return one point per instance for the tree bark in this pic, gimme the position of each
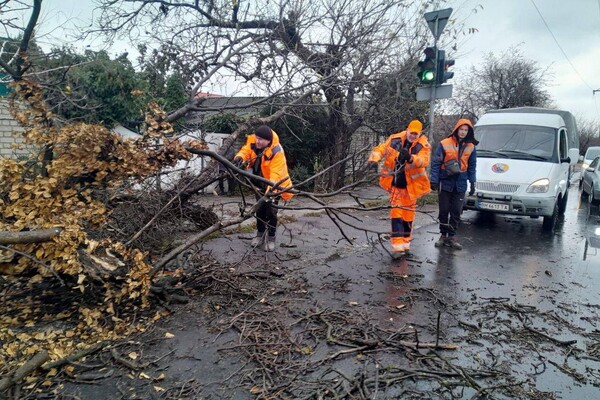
(43, 235)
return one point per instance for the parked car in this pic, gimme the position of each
(591, 153)
(590, 182)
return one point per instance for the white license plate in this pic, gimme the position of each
(494, 206)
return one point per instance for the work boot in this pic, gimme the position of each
(258, 240)
(270, 243)
(441, 241)
(397, 255)
(453, 243)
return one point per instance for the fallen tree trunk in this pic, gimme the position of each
(42, 235)
(34, 363)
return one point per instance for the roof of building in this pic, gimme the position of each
(207, 95)
(242, 105)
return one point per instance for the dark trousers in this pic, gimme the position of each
(451, 204)
(266, 218)
(230, 184)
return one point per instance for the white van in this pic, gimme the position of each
(524, 160)
(591, 153)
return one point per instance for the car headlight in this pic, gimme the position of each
(584, 166)
(539, 186)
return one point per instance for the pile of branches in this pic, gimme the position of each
(152, 223)
(55, 225)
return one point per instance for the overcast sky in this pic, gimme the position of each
(573, 54)
(569, 44)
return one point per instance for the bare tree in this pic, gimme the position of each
(505, 81)
(335, 47)
(17, 66)
(589, 134)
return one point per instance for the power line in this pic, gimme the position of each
(558, 44)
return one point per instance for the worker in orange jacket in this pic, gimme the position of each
(263, 154)
(403, 175)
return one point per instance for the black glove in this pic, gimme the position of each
(404, 155)
(372, 165)
(435, 186)
(472, 189)
(238, 162)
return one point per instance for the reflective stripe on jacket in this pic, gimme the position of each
(451, 152)
(468, 160)
(416, 174)
(273, 165)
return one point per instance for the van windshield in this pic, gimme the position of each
(517, 141)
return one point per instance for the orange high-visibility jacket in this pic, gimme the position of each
(416, 174)
(451, 147)
(273, 165)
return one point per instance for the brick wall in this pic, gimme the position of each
(8, 126)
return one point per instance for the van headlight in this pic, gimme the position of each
(584, 166)
(539, 186)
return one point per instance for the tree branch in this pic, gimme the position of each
(43, 235)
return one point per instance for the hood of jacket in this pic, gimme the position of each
(470, 138)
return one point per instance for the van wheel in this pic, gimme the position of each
(562, 206)
(550, 222)
(584, 195)
(593, 201)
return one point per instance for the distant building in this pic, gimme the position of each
(170, 176)
(11, 140)
(213, 104)
(206, 95)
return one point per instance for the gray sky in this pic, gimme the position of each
(569, 45)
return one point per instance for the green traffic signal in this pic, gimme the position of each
(427, 67)
(427, 76)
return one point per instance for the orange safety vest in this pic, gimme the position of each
(451, 152)
(417, 181)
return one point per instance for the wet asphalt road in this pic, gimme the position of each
(508, 256)
(553, 276)
(510, 276)
(516, 299)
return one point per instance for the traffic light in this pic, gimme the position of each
(442, 68)
(427, 67)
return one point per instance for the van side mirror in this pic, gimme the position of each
(573, 154)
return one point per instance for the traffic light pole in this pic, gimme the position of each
(433, 88)
(437, 21)
(431, 115)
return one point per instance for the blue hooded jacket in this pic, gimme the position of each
(455, 182)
